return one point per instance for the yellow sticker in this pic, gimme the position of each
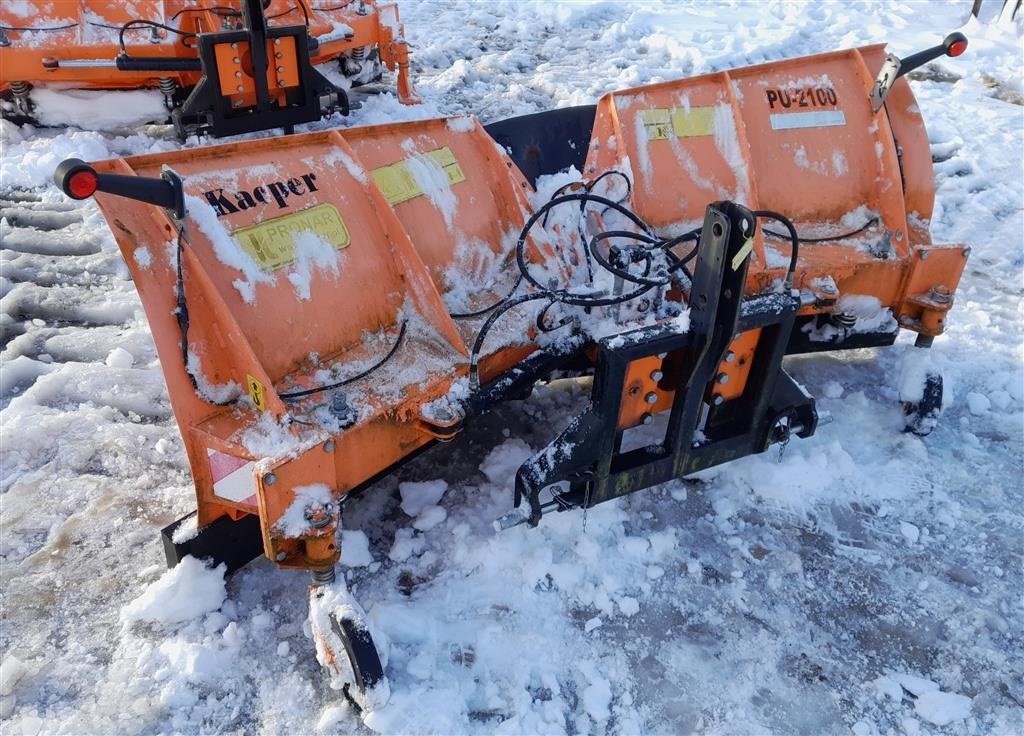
(271, 243)
(679, 122)
(398, 183)
(742, 253)
(657, 123)
(696, 121)
(255, 388)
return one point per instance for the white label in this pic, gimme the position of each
(232, 477)
(817, 119)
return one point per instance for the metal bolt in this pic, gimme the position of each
(940, 294)
(278, 55)
(662, 356)
(277, 41)
(319, 515)
(329, 446)
(657, 375)
(719, 400)
(722, 378)
(240, 88)
(238, 75)
(924, 255)
(280, 70)
(730, 357)
(828, 288)
(269, 479)
(647, 419)
(651, 398)
(237, 60)
(234, 45)
(967, 252)
(280, 556)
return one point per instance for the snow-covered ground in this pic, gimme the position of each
(867, 581)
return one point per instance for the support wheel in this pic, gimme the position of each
(345, 647)
(923, 415)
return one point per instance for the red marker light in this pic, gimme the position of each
(81, 184)
(957, 47)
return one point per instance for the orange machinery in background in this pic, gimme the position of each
(325, 305)
(224, 68)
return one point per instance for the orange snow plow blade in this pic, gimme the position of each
(796, 137)
(359, 266)
(178, 47)
(299, 266)
(326, 305)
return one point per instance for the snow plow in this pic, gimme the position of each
(222, 69)
(327, 305)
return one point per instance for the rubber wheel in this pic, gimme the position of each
(362, 655)
(922, 416)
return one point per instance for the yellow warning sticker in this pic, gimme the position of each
(255, 388)
(696, 121)
(679, 122)
(398, 183)
(742, 253)
(271, 243)
(657, 123)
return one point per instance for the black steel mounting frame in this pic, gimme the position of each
(701, 431)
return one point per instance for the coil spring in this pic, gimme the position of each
(323, 576)
(358, 54)
(844, 320)
(168, 86)
(20, 90)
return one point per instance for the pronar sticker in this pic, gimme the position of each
(399, 184)
(678, 122)
(271, 243)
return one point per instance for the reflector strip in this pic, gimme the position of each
(818, 119)
(398, 183)
(232, 477)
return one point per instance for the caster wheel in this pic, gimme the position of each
(922, 415)
(345, 647)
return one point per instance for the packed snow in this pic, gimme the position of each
(863, 581)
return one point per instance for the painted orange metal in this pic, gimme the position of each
(89, 30)
(423, 202)
(797, 137)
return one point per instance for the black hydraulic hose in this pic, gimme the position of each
(45, 28)
(579, 197)
(830, 238)
(153, 24)
(485, 310)
(793, 239)
(292, 395)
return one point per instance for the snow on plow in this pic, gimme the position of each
(326, 305)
